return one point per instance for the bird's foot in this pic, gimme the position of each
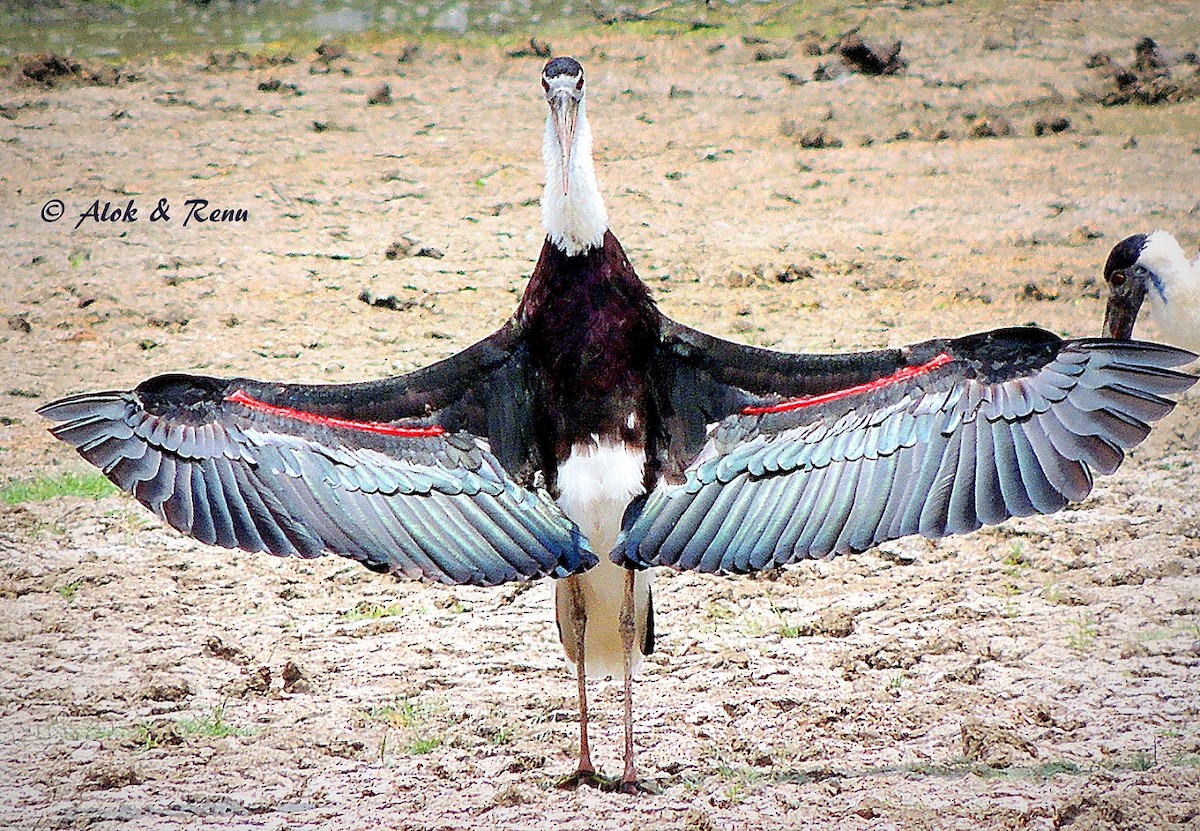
(585, 776)
(630, 785)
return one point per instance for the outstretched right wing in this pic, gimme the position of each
(941, 438)
(303, 470)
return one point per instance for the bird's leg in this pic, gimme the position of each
(628, 783)
(586, 772)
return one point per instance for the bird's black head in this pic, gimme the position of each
(1126, 287)
(563, 74)
(563, 66)
(1124, 254)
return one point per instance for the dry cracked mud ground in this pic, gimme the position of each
(1043, 674)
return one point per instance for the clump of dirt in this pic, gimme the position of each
(240, 60)
(166, 691)
(104, 776)
(880, 58)
(534, 49)
(833, 623)
(995, 745)
(989, 126)
(382, 96)
(49, 69)
(1148, 80)
(296, 679)
(330, 51)
(1051, 125)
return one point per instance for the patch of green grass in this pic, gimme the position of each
(404, 713)
(963, 766)
(503, 736)
(1141, 760)
(89, 485)
(410, 717)
(1008, 589)
(372, 611)
(1055, 595)
(424, 745)
(716, 611)
(211, 726)
(1190, 760)
(67, 591)
(139, 733)
(742, 781)
(1016, 559)
(1045, 770)
(1083, 635)
(1150, 635)
(786, 629)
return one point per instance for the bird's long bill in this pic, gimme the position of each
(564, 109)
(1124, 303)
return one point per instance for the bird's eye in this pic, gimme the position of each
(580, 84)
(1117, 278)
(545, 85)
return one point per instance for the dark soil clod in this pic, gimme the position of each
(1148, 80)
(381, 96)
(534, 49)
(871, 59)
(48, 69)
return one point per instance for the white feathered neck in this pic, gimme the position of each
(1174, 290)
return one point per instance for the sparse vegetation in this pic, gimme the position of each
(1083, 633)
(1045, 770)
(1190, 760)
(410, 719)
(67, 591)
(140, 735)
(86, 485)
(211, 725)
(717, 611)
(425, 745)
(786, 629)
(403, 713)
(367, 610)
(1016, 561)
(1141, 760)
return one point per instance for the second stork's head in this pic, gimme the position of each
(572, 208)
(1153, 266)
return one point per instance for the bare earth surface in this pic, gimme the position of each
(1043, 674)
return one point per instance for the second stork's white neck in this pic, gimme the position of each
(1174, 290)
(574, 221)
(1173, 277)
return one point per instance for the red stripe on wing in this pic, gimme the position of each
(240, 397)
(896, 377)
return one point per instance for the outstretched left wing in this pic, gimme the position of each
(382, 472)
(938, 438)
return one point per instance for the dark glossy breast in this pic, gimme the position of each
(592, 329)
